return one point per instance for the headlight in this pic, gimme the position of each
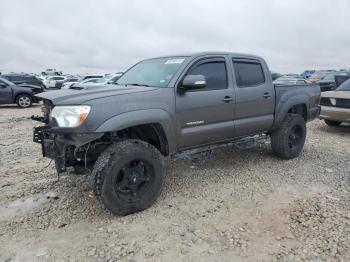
(70, 116)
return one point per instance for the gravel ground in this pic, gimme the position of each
(237, 205)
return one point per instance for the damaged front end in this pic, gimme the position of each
(63, 145)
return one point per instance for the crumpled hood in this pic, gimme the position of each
(76, 97)
(337, 94)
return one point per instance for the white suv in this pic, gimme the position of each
(50, 82)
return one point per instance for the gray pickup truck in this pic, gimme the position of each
(164, 106)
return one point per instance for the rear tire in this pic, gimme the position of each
(332, 123)
(287, 142)
(128, 176)
(24, 101)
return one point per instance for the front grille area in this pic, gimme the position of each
(340, 102)
(345, 103)
(325, 102)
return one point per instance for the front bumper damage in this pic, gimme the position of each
(60, 145)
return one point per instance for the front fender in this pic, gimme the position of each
(142, 117)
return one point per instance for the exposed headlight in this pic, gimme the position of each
(70, 116)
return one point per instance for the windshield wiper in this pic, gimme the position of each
(136, 84)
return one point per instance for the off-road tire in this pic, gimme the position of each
(280, 138)
(24, 101)
(332, 123)
(111, 161)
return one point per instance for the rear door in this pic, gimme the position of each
(255, 96)
(205, 115)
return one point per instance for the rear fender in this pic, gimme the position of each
(285, 103)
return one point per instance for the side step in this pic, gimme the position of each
(206, 151)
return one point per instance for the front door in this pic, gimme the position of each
(206, 115)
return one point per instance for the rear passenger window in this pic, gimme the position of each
(248, 73)
(214, 72)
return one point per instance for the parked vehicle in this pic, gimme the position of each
(97, 82)
(274, 75)
(23, 79)
(317, 76)
(307, 73)
(51, 72)
(51, 81)
(22, 94)
(68, 85)
(164, 106)
(67, 82)
(327, 83)
(290, 81)
(335, 105)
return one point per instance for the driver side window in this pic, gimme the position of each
(214, 72)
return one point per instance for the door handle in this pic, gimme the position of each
(266, 95)
(227, 99)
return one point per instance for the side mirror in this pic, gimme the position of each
(3, 85)
(194, 82)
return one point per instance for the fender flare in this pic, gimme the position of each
(286, 103)
(142, 117)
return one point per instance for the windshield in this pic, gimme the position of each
(154, 72)
(7, 81)
(344, 86)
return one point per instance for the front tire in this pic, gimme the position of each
(128, 176)
(332, 123)
(24, 101)
(288, 141)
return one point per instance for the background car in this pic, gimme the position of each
(23, 94)
(290, 81)
(66, 83)
(335, 105)
(317, 76)
(275, 75)
(51, 72)
(107, 80)
(327, 83)
(23, 79)
(69, 84)
(50, 82)
(307, 73)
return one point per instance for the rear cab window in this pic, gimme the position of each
(248, 72)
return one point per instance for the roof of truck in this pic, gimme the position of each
(196, 54)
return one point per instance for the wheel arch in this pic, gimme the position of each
(23, 93)
(296, 105)
(152, 125)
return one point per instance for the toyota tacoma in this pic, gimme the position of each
(165, 106)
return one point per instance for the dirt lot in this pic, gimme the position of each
(237, 205)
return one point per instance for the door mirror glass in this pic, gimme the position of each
(194, 82)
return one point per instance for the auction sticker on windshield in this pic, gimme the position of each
(175, 61)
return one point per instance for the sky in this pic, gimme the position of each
(107, 36)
